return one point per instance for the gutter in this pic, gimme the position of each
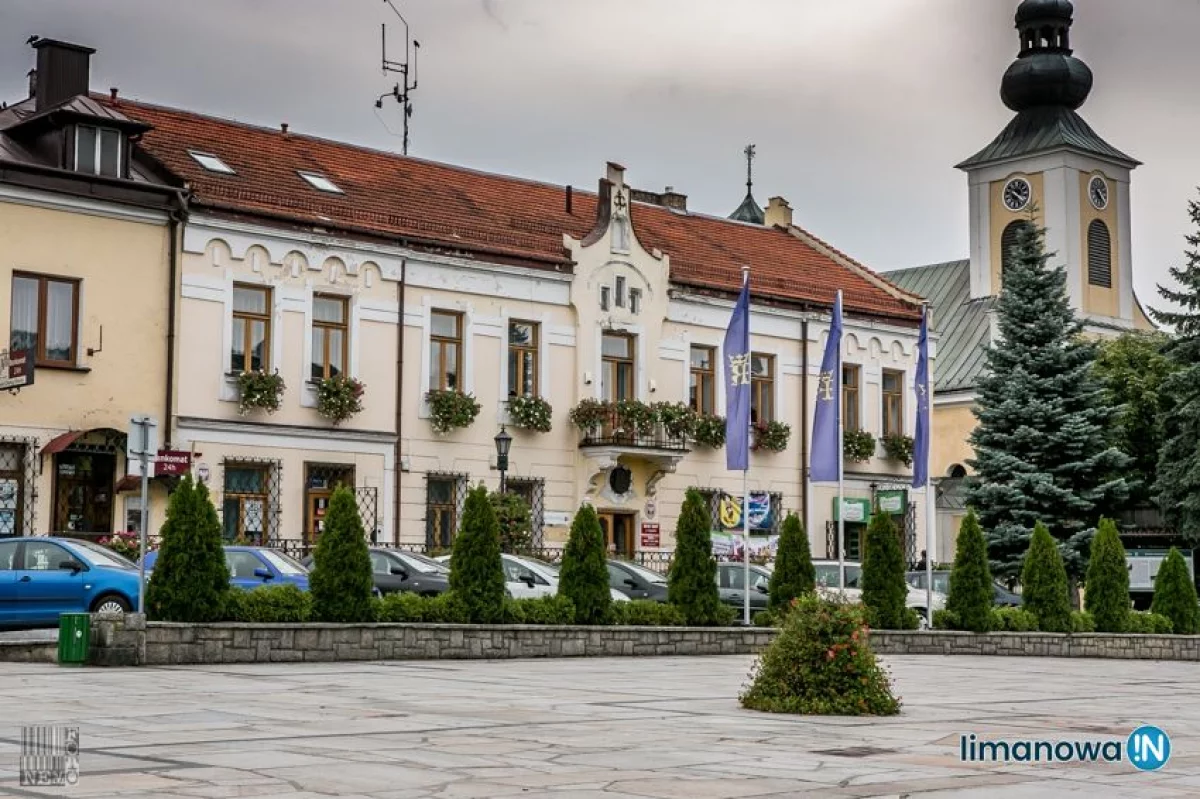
(172, 278)
(399, 470)
(804, 498)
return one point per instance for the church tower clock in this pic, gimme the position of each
(1049, 166)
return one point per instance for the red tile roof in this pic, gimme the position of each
(486, 214)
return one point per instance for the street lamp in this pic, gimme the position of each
(503, 442)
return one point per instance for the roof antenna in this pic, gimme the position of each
(751, 151)
(401, 91)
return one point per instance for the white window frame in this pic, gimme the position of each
(98, 148)
(215, 164)
(319, 182)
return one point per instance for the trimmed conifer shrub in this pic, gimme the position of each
(191, 580)
(884, 590)
(1175, 595)
(794, 574)
(971, 592)
(1107, 587)
(692, 578)
(341, 581)
(584, 575)
(1044, 583)
(476, 571)
(821, 663)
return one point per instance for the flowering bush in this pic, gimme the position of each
(259, 391)
(530, 413)
(710, 431)
(858, 445)
(772, 436)
(589, 414)
(899, 448)
(124, 544)
(450, 410)
(339, 397)
(678, 419)
(635, 416)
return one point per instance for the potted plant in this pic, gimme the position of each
(259, 390)
(636, 417)
(450, 410)
(530, 413)
(858, 445)
(710, 431)
(899, 448)
(339, 397)
(590, 414)
(772, 436)
(677, 419)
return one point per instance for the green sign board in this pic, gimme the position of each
(893, 502)
(858, 511)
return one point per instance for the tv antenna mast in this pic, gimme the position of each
(401, 92)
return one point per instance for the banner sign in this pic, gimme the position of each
(730, 512)
(172, 463)
(728, 546)
(858, 511)
(894, 502)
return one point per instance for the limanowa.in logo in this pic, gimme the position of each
(1148, 748)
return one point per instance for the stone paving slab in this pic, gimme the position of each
(650, 728)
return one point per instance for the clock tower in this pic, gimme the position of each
(1049, 166)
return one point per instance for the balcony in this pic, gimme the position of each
(626, 425)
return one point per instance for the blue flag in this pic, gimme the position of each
(737, 384)
(921, 387)
(825, 456)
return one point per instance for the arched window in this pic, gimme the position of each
(1099, 255)
(957, 472)
(1008, 244)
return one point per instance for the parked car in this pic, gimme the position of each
(526, 577)
(731, 582)
(251, 567)
(637, 582)
(395, 570)
(827, 584)
(42, 577)
(1001, 596)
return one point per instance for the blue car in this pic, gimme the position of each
(42, 577)
(252, 567)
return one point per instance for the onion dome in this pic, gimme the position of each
(1045, 73)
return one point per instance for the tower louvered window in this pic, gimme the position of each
(1008, 244)
(1099, 259)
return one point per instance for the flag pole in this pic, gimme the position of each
(841, 515)
(930, 499)
(746, 490)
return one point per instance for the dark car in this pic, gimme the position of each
(637, 582)
(731, 581)
(395, 570)
(1002, 597)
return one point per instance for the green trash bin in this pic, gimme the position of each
(74, 638)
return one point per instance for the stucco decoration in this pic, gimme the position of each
(664, 468)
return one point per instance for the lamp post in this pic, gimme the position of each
(503, 442)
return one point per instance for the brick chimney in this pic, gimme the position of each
(778, 212)
(673, 199)
(63, 71)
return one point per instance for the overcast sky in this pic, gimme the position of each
(859, 109)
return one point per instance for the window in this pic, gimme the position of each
(620, 292)
(8, 555)
(617, 372)
(12, 489)
(1008, 244)
(244, 511)
(320, 480)
(330, 336)
(211, 163)
(45, 557)
(635, 301)
(762, 388)
(320, 182)
(851, 416)
(98, 151)
(522, 359)
(533, 491)
(605, 295)
(703, 383)
(1099, 256)
(251, 350)
(45, 318)
(441, 511)
(445, 350)
(893, 403)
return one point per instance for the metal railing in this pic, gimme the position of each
(616, 432)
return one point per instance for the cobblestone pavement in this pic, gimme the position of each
(596, 728)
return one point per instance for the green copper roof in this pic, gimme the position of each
(962, 323)
(749, 211)
(1043, 129)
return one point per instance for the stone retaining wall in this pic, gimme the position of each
(130, 641)
(28, 651)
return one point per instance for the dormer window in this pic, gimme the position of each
(211, 163)
(98, 151)
(320, 182)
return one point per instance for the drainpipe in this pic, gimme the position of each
(173, 227)
(399, 472)
(804, 498)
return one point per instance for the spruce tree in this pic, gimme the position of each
(1042, 452)
(692, 578)
(1044, 583)
(794, 574)
(584, 576)
(191, 579)
(476, 571)
(1107, 587)
(341, 581)
(884, 590)
(971, 592)
(1175, 595)
(1178, 486)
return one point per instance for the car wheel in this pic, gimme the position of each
(110, 603)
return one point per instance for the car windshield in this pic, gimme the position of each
(423, 564)
(827, 574)
(548, 570)
(282, 563)
(103, 556)
(649, 575)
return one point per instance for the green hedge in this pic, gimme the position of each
(1013, 620)
(270, 604)
(1149, 624)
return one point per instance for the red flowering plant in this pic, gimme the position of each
(821, 663)
(124, 544)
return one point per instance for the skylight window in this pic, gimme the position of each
(320, 182)
(212, 163)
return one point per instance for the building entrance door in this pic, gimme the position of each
(83, 492)
(618, 532)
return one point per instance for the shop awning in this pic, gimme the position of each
(64, 441)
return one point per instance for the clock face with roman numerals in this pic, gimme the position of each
(1098, 193)
(1017, 194)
